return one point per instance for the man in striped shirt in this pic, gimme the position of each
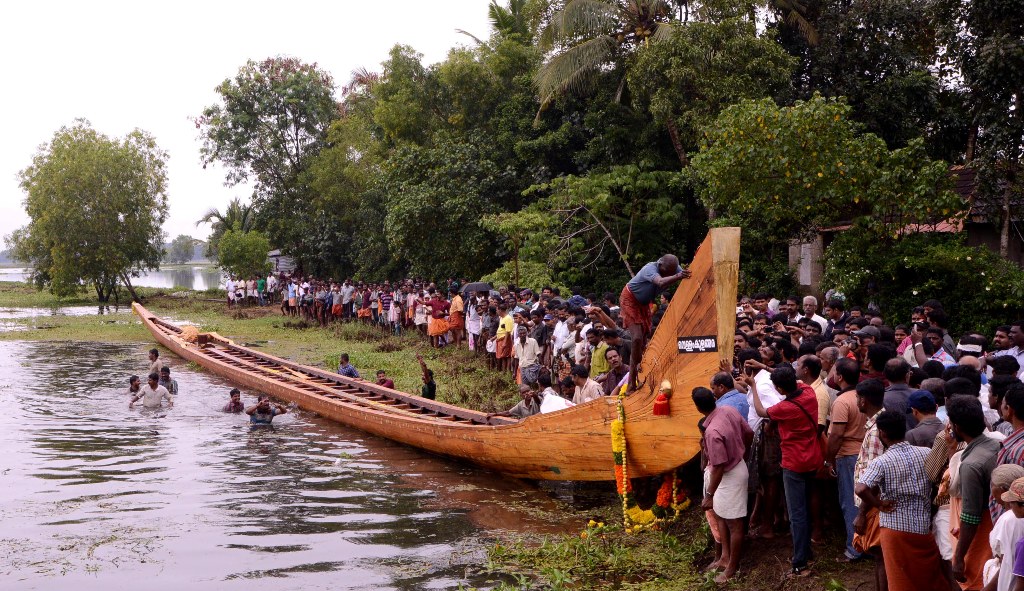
(1011, 451)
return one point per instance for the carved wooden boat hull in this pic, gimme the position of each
(572, 444)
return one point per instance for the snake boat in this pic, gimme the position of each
(694, 335)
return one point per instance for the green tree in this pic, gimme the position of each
(513, 22)
(782, 173)
(244, 254)
(339, 178)
(96, 205)
(983, 52)
(595, 228)
(435, 197)
(685, 80)
(181, 249)
(236, 213)
(272, 119)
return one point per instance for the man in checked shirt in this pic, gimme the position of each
(895, 483)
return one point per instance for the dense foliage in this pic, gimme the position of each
(244, 254)
(581, 139)
(96, 206)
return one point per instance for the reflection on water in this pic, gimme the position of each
(198, 278)
(94, 495)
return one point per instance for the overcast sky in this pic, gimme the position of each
(123, 65)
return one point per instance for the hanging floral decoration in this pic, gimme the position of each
(670, 499)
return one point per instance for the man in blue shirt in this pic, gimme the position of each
(636, 299)
(723, 387)
(345, 368)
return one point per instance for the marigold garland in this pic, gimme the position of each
(670, 499)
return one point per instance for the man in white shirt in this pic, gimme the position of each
(527, 352)
(765, 388)
(586, 388)
(153, 394)
(346, 299)
(230, 288)
(581, 348)
(811, 311)
(561, 331)
(1017, 339)
(271, 288)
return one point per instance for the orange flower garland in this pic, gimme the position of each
(669, 502)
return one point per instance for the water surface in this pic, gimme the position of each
(195, 277)
(97, 496)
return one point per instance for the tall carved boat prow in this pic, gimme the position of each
(695, 333)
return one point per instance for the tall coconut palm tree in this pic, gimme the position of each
(236, 214)
(589, 35)
(513, 22)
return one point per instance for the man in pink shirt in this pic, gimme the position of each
(727, 436)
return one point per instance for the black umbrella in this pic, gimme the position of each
(477, 286)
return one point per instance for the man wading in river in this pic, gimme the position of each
(134, 385)
(635, 303)
(264, 411)
(167, 382)
(155, 365)
(153, 394)
(235, 403)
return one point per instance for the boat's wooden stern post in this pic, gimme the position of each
(695, 335)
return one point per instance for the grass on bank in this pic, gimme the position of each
(672, 559)
(603, 556)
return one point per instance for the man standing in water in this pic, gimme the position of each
(264, 411)
(155, 365)
(345, 368)
(134, 385)
(384, 380)
(153, 394)
(635, 303)
(235, 404)
(167, 382)
(429, 390)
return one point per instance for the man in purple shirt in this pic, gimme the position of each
(727, 436)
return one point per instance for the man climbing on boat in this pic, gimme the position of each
(636, 299)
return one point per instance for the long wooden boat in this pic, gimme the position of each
(695, 333)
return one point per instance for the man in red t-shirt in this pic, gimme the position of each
(797, 419)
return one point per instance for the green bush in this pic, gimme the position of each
(978, 289)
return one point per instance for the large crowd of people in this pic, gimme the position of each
(908, 440)
(581, 346)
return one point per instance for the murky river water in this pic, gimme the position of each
(94, 495)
